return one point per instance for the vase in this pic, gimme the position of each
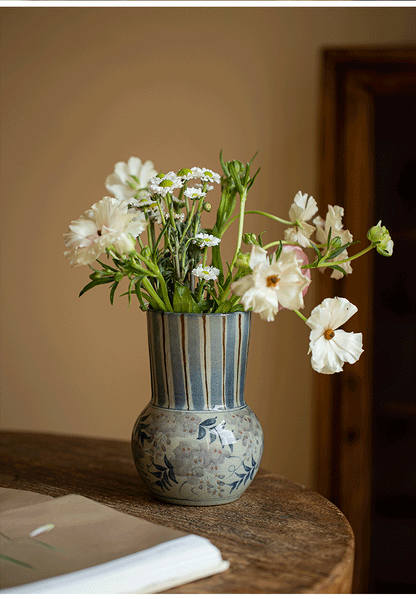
(197, 442)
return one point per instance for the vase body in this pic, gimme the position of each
(197, 442)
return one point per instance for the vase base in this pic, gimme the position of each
(196, 502)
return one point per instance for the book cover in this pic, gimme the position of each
(76, 545)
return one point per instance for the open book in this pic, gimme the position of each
(75, 545)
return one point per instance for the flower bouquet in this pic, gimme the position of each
(197, 442)
(152, 231)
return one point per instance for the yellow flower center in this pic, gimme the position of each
(272, 281)
(329, 333)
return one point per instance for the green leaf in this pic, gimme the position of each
(339, 251)
(279, 250)
(337, 267)
(252, 180)
(228, 306)
(94, 284)
(224, 166)
(112, 291)
(183, 300)
(106, 266)
(317, 250)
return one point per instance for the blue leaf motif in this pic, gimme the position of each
(201, 432)
(209, 422)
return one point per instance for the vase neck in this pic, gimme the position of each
(198, 361)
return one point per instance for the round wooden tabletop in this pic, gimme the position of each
(279, 537)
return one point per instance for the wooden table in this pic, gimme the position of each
(279, 537)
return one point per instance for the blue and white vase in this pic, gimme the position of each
(197, 442)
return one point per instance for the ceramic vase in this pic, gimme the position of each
(197, 442)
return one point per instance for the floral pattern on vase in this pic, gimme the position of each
(198, 456)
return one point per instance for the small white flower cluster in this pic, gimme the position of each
(164, 184)
(209, 273)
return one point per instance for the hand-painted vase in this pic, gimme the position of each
(197, 442)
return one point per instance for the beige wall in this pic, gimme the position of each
(83, 88)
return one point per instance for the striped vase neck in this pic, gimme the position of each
(198, 361)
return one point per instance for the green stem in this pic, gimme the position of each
(149, 288)
(358, 255)
(269, 245)
(243, 199)
(280, 220)
(272, 216)
(300, 315)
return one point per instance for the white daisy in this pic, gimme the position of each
(165, 184)
(209, 175)
(209, 273)
(194, 193)
(205, 240)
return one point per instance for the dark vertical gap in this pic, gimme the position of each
(393, 509)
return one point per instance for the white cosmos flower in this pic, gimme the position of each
(205, 240)
(302, 210)
(122, 184)
(209, 273)
(331, 347)
(271, 286)
(333, 221)
(108, 222)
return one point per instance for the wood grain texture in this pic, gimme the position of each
(279, 537)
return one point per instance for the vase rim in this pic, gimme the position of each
(199, 313)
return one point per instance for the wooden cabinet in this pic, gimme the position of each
(366, 416)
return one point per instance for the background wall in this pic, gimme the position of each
(83, 88)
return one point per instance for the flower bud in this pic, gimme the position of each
(381, 240)
(207, 207)
(243, 260)
(250, 239)
(336, 243)
(96, 276)
(239, 167)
